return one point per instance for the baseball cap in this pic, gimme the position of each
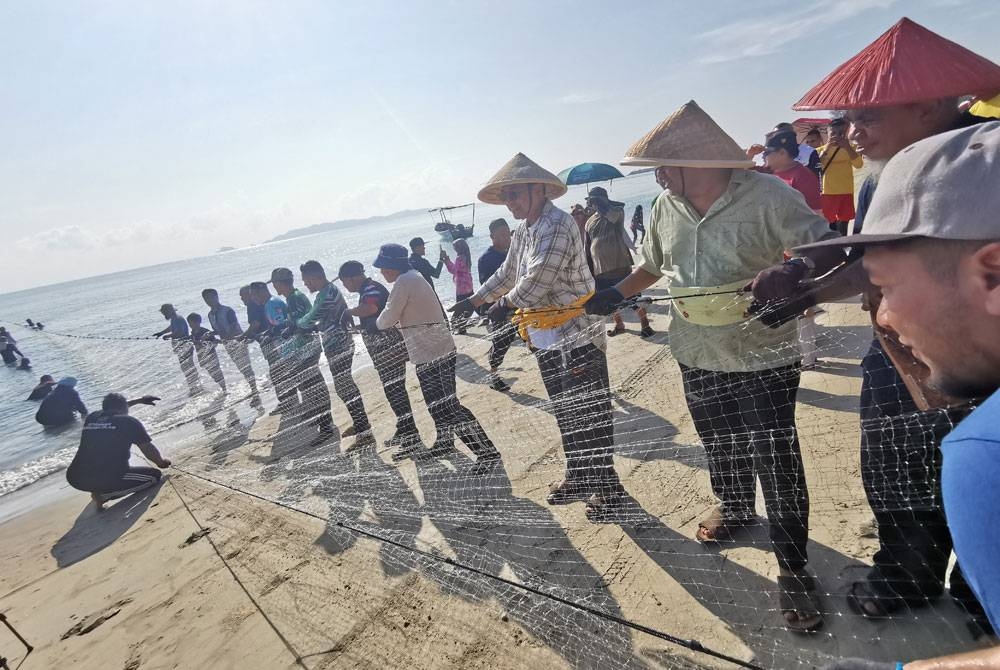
(942, 187)
(351, 269)
(282, 275)
(781, 140)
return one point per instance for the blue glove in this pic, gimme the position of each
(500, 312)
(605, 302)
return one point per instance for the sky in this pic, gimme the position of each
(138, 133)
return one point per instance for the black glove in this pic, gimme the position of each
(605, 302)
(780, 312)
(779, 282)
(463, 306)
(146, 400)
(859, 664)
(500, 313)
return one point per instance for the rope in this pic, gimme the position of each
(690, 644)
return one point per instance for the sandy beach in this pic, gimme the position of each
(197, 575)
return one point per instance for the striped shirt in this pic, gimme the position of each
(546, 266)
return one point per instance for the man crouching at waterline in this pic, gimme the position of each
(101, 465)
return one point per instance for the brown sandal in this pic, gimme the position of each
(799, 603)
(567, 491)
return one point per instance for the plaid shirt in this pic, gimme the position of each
(547, 267)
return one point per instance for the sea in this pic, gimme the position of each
(99, 329)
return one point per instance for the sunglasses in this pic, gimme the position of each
(510, 194)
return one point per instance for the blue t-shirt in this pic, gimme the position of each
(276, 311)
(970, 479)
(179, 328)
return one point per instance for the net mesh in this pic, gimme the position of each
(371, 557)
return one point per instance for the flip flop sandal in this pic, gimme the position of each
(798, 596)
(865, 601)
(602, 508)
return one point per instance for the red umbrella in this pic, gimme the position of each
(908, 63)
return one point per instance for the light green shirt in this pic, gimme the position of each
(744, 231)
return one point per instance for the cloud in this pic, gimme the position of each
(581, 98)
(762, 37)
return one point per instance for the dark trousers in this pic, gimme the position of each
(451, 418)
(901, 472)
(339, 350)
(578, 388)
(390, 364)
(185, 356)
(273, 358)
(502, 336)
(294, 377)
(240, 356)
(746, 420)
(209, 360)
(134, 479)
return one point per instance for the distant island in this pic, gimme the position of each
(222, 250)
(325, 227)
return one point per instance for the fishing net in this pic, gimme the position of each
(365, 556)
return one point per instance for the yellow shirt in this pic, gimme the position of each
(838, 175)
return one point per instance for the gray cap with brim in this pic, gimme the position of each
(944, 187)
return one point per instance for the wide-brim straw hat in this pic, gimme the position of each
(687, 138)
(521, 170)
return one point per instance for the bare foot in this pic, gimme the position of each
(98, 501)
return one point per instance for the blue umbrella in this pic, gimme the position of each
(585, 173)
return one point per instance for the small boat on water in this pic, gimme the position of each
(449, 231)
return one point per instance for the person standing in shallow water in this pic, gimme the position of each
(180, 338)
(227, 328)
(413, 307)
(638, 226)
(61, 405)
(204, 347)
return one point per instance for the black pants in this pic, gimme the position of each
(901, 472)
(578, 387)
(185, 356)
(451, 418)
(502, 336)
(134, 479)
(295, 377)
(209, 360)
(746, 420)
(389, 358)
(240, 356)
(339, 350)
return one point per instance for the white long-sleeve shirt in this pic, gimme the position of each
(414, 307)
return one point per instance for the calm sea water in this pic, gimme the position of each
(125, 305)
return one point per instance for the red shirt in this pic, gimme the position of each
(802, 179)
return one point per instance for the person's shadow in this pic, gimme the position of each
(492, 531)
(93, 531)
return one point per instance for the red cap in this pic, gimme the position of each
(908, 63)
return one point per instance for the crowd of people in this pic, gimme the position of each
(924, 252)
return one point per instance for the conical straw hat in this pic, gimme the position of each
(907, 64)
(688, 138)
(521, 170)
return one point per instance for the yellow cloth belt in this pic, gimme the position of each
(546, 318)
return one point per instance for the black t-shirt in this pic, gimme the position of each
(489, 263)
(104, 450)
(41, 391)
(59, 406)
(373, 293)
